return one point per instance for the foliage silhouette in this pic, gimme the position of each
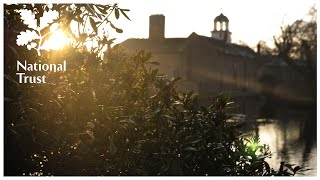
(117, 116)
(297, 46)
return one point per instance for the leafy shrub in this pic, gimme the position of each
(118, 116)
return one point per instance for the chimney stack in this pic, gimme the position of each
(156, 27)
(258, 48)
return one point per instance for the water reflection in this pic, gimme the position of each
(292, 141)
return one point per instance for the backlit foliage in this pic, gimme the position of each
(116, 115)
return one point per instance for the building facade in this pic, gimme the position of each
(211, 65)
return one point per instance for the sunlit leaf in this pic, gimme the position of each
(190, 149)
(154, 63)
(45, 38)
(128, 121)
(45, 30)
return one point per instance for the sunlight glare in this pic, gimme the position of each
(57, 41)
(266, 137)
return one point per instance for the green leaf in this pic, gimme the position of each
(116, 13)
(190, 149)
(194, 142)
(93, 25)
(168, 116)
(154, 63)
(157, 110)
(128, 121)
(112, 148)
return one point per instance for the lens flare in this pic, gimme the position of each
(57, 41)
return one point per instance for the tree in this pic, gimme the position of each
(290, 42)
(116, 116)
(297, 45)
(90, 22)
(299, 41)
(263, 49)
(18, 95)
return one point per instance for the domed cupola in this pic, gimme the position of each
(221, 18)
(221, 29)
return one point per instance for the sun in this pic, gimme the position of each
(57, 41)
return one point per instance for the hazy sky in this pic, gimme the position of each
(250, 20)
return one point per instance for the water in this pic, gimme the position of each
(291, 138)
(286, 144)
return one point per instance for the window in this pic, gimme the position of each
(218, 26)
(224, 27)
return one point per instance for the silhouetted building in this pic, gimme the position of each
(210, 65)
(221, 29)
(156, 28)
